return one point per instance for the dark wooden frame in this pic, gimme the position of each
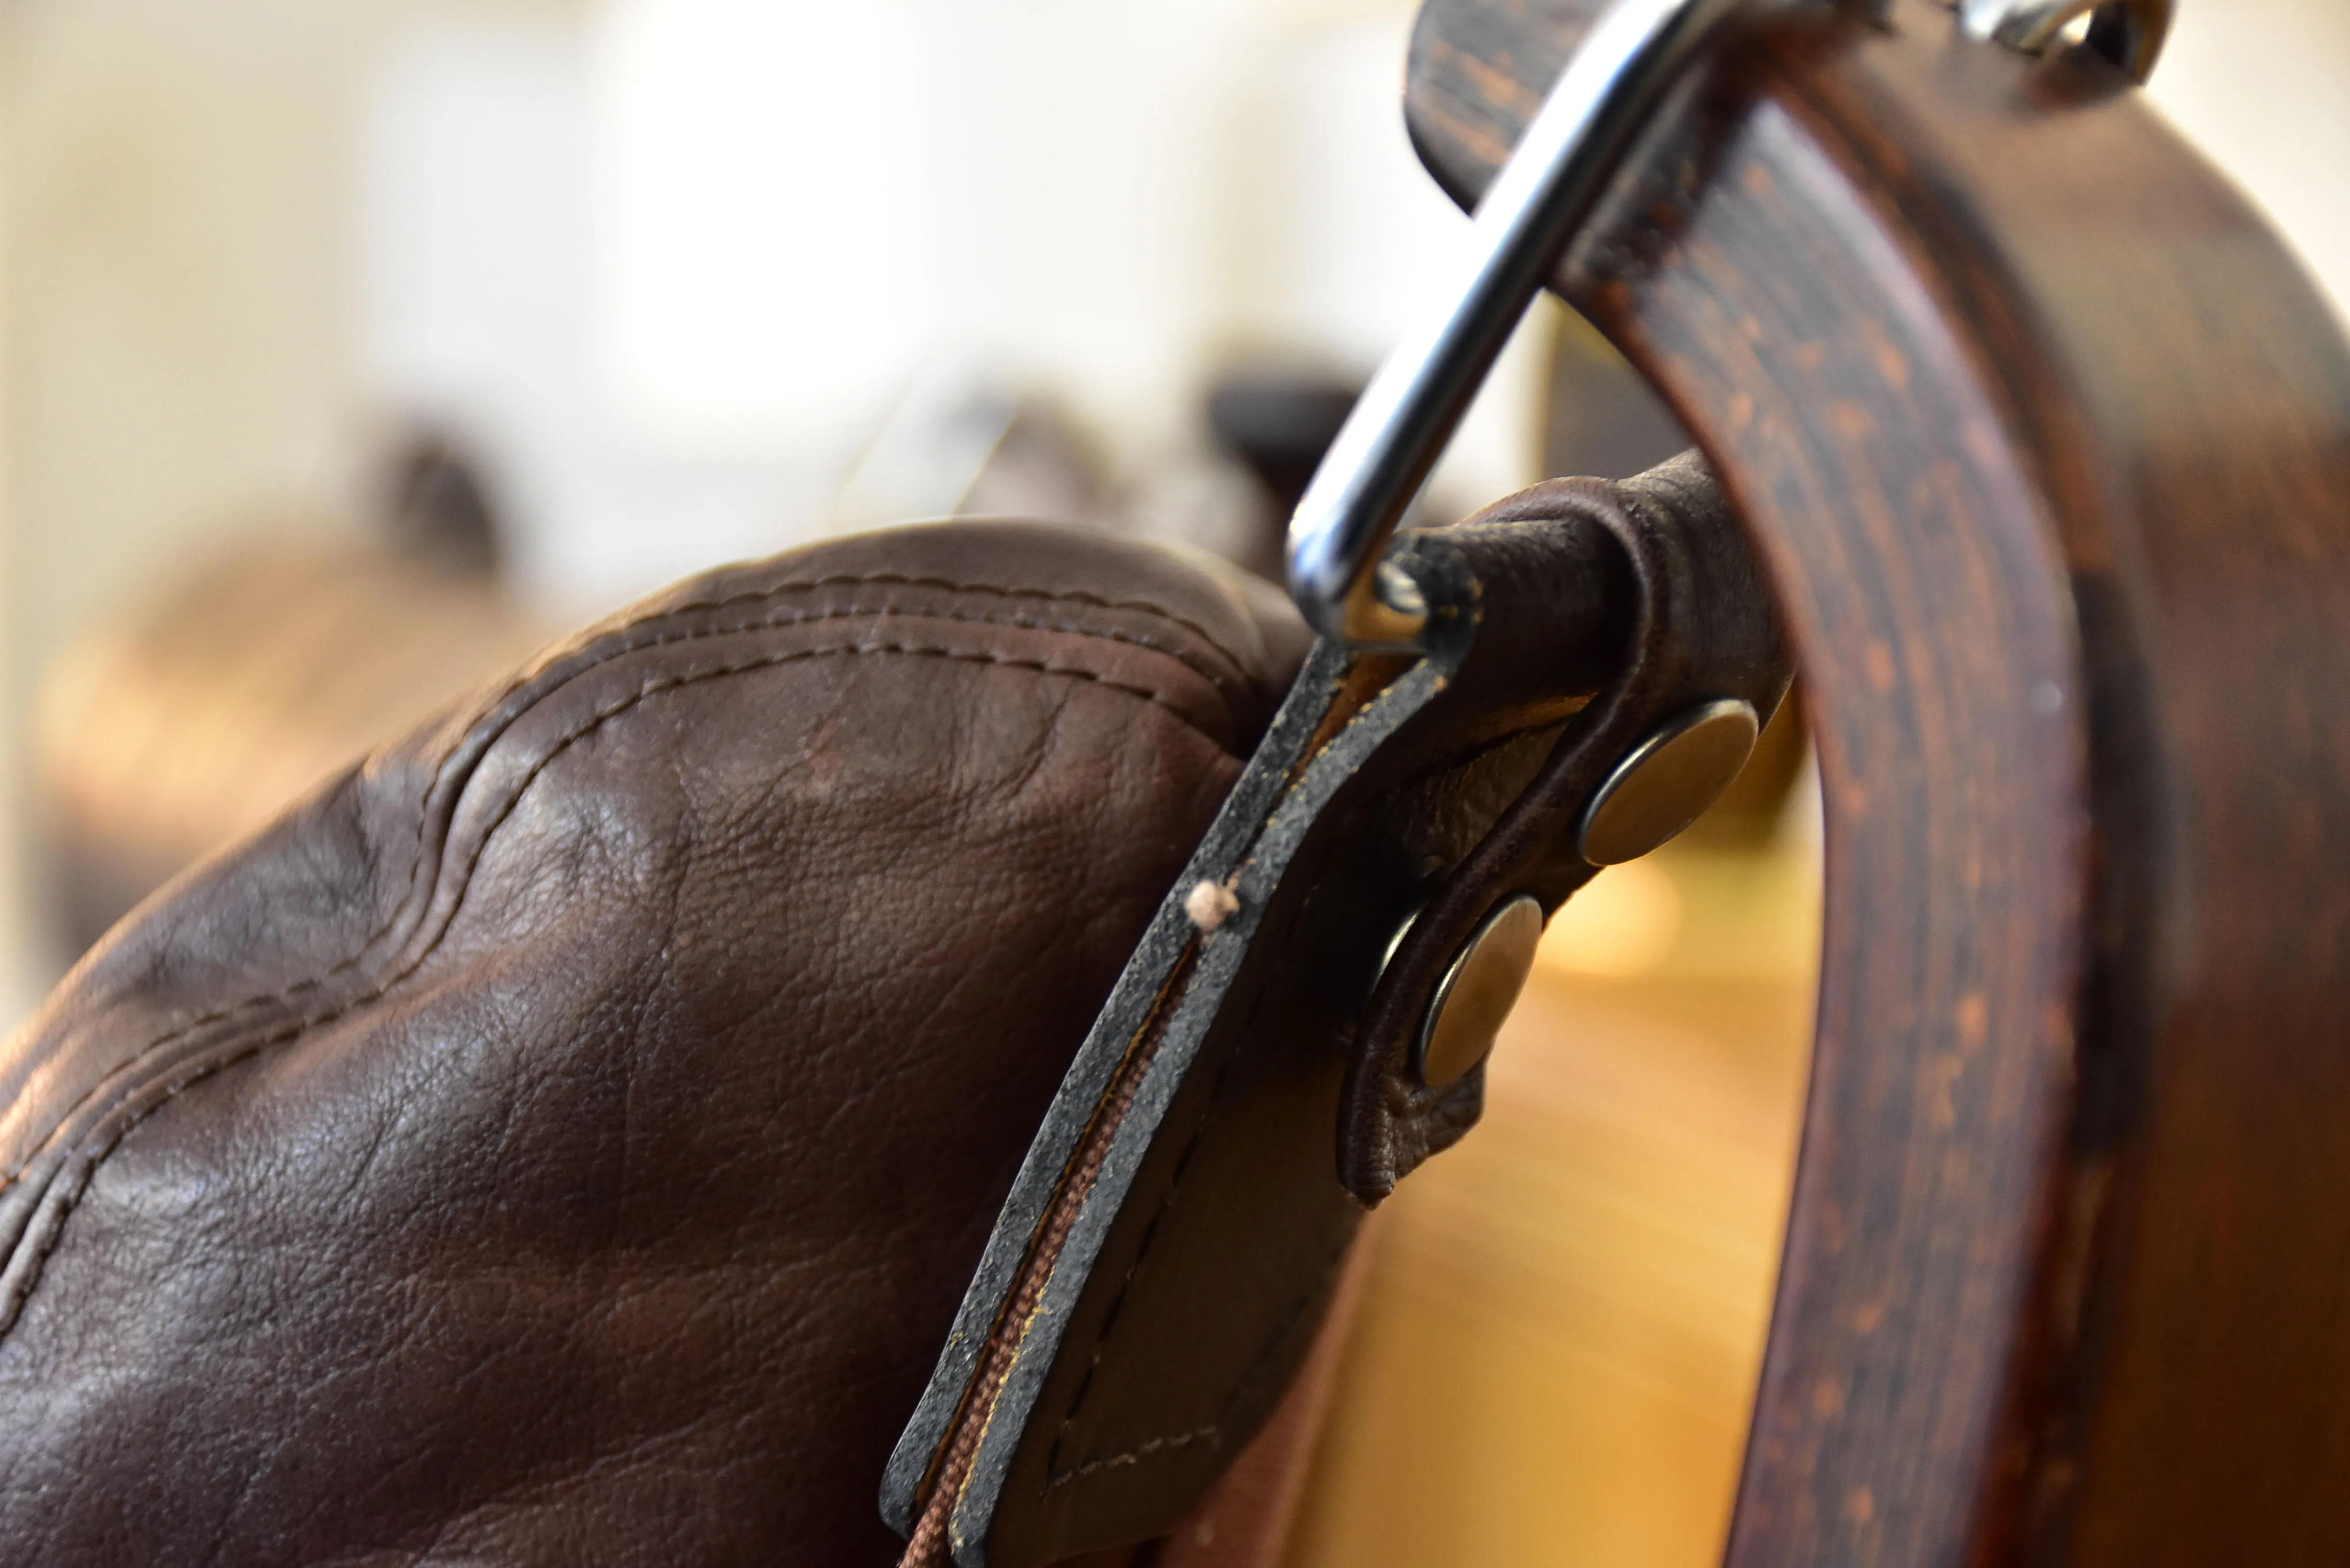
(2045, 440)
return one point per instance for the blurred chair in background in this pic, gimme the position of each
(189, 722)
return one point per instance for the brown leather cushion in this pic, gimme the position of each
(565, 1137)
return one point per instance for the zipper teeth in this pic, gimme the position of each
(931, 1545)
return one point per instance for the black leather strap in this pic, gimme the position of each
(1169, 1248)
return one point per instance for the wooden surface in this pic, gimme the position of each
(2046, 443)
(1556, 1356)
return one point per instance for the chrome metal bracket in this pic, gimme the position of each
(1542, 196)
(2130, 33)
(1541, 199)
(1404, 419)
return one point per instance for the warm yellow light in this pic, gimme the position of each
(1627, 921)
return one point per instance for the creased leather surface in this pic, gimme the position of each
(564, 1138)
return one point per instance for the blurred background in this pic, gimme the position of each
(349, 348)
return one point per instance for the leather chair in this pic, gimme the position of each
(565, 1136)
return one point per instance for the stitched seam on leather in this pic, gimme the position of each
(905, 579)
(1110, 1318)
(895, 579)
(1000, 1354)
(1213, 1430)
(1126, 1282)
(1102, 634)
(732, 628)
(54, 1229)
(1150, 1238)
(610, 644)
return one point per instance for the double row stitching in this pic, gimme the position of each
(869, 612)
(596, 720)
(992, 590)
(606, 653)
(903, 580)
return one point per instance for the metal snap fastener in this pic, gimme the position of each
(1477, 993)
(1667, 781)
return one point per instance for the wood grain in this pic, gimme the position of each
(1556, 1356)
(2046, 442)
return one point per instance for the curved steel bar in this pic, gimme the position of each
(2130, 33)
(1409, 412)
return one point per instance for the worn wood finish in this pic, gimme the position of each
(2046, 442)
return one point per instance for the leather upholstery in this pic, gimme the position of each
(1179, 1225)
(564, 1138)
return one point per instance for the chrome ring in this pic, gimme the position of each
(2130, 33)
